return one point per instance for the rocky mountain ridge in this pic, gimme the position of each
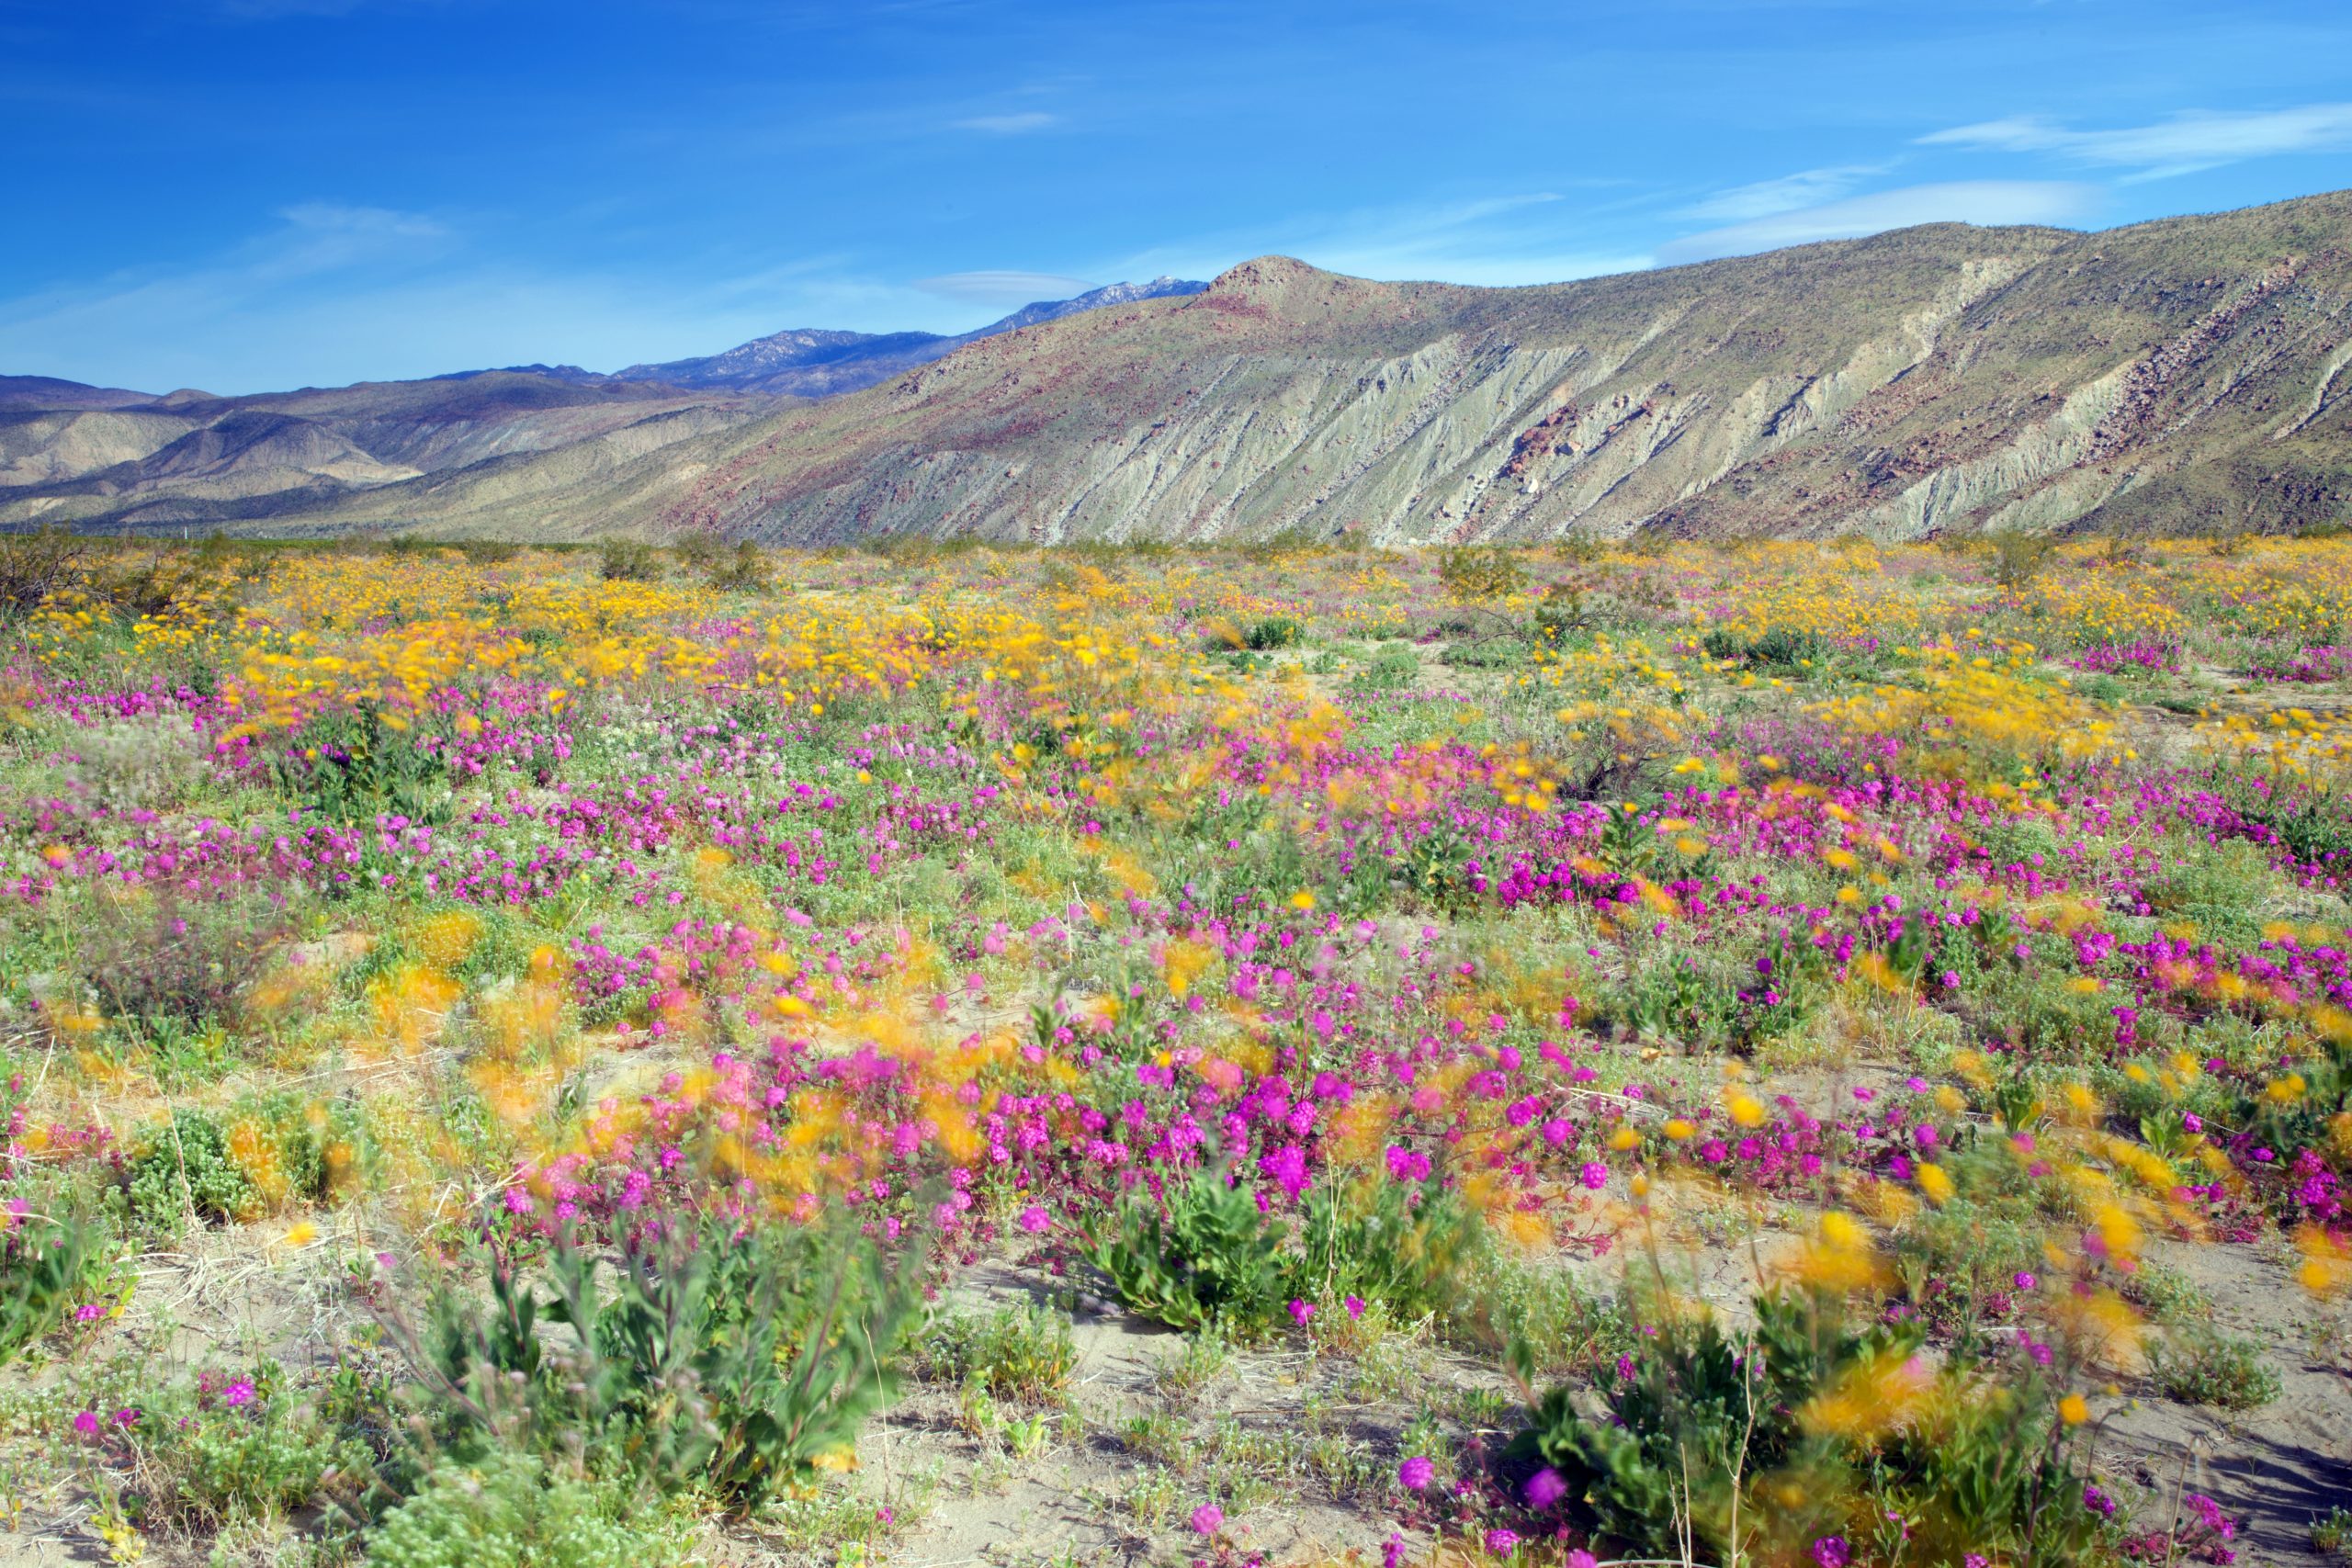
(2188, 373)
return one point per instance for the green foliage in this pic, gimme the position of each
(1540, 1317)
(1472, 574)
(351, 767)
(510, 1510)
(1212, 1257)
(2203, 1366)
(734, 1362)
(1021, 1352)
(1392, 669)
(2332, 1531)
(184, 1170)
(1776, 648)
(206, 1461)
(1752, 1439)
(1272, 632)
(1406, 1248)
(628, 560)
(44, 1264)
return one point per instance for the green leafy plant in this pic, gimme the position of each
(1272, 632)
(1745, 1445)
(354, 766)
(1209, 1257)
(734, 1362)
(512, 1510)
(628, 560)
(183, 1172)
(2203, 1366)
(2332, 1531)
(1406, 1248)
(1023, 1351)
(43, 1264)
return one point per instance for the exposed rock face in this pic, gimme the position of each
(2172, 374)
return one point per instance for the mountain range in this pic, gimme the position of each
(107, 457)
(2189, 373)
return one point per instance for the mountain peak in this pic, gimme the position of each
(1286, 284)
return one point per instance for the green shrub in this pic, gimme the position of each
(1776, 648)
(246, 1451)
(1023, 1353)
(1213, 1257)
(1407, 1248)
(1761, 1441)
(1274, 631)
(1392, 669)
(2332, 1531)
(1472, 574)
(731, 1362)
(2204, 1366)
(43, 1266)
(742, 571)
(628, 560)
(183, 1172)
(1539, 1316)
(508, 1511)
(354, 766)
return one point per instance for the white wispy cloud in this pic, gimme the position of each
(1019, 124)
(2188, 142)
(1807, 187)
(1957, 201)
(1002, 287)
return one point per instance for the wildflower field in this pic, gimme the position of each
(1803, 1055)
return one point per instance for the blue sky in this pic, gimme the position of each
(243, 194)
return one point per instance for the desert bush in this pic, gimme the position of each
(1272, 632)
(1016, 1352)
(44, 1264)
(1211, 1258)
(233, 1448)
(1407, 1248)
(2203, 1366)
(735, 1363)
(1392, 669)
(1472, 574)
(184, 1170)
(2018, 556)
(138, 764)
(355, 765)
(628, 560)
(165, 962)
(34, 565)
(1755, 1444)
(514, 1510)
(1539, 1316)
(1775, 648)
(743, 570)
